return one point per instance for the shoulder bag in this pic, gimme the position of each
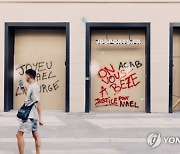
(24, 111)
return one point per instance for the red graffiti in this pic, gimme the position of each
(117, 81)
(104, 71)
(106, 101)
(121, 101)
(102, 91)
(123, 98)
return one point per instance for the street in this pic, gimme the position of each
(95, 133)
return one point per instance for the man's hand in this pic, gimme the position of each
(24, 89)
(41, 122)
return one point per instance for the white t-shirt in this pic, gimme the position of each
(31, 97)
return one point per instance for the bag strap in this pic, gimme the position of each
(32, 104)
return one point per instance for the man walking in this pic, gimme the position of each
(31, 124)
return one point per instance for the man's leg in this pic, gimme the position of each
(37, 141)
(20, 141)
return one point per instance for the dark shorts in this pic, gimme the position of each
(29, 125)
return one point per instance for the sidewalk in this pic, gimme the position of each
(94, 133)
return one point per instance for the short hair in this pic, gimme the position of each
(31, 73)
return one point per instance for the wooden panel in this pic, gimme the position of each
(44, 51)
(118, 72)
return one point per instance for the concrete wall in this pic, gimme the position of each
(158, 13)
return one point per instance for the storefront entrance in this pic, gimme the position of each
(43, 49)
(119, 69)
(45, 52)
(174, 68)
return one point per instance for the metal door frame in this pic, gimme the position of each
(172, 27)
(119, 26)
(10, 28)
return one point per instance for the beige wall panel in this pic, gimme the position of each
(125, 83)
(44, 51)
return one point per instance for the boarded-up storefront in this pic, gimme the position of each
(176, 70)
(118, 67)
(43, 50)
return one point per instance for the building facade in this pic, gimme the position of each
(92, 55)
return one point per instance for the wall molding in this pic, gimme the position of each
(89, 1)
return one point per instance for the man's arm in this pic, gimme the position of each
(39, 112)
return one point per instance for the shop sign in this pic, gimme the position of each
(118, 41)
